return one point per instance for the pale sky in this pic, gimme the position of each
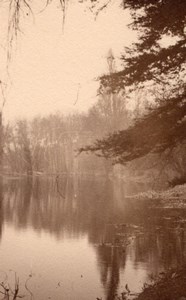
(50, 65)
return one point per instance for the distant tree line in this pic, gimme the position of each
(49, 144)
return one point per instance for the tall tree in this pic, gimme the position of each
(24, 146)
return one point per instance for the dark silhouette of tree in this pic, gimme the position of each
(147, 59)
(150, 62)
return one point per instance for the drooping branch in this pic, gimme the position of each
(16, 9)
(162, 128)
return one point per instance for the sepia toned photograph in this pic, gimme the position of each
(93, 149)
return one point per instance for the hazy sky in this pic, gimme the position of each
(50, 66)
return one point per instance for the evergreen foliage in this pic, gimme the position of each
(164, 126)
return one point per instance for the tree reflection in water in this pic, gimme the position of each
(110, 260)
(1, 205)
(118, 228)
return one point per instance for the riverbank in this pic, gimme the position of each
(170, 198)
(169, 286)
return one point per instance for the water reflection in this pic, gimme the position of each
(1, 206)
(111, 260)
(122, 231)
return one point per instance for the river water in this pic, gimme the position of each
(83, 238)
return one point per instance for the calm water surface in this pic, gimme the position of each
(82, 238)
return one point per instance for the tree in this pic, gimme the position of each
(110, 112)
(147, 59)
(150, 62)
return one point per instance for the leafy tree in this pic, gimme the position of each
(151, 62)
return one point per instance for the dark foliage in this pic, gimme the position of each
(162, 128)
(168, 286)
(147, 61)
